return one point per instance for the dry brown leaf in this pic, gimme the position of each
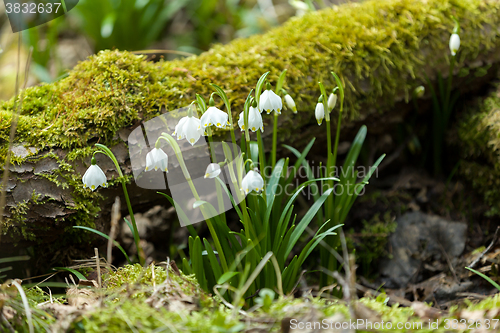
(81, 298)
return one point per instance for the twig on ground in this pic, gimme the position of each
(115, 218)
(493, 241)
(98, 263)
(6, 322)
(448, 260)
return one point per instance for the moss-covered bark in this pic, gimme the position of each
(381, 50)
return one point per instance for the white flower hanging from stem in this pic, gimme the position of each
(269, 101)
(214, 116)
(94, 176)
(213, 170)
(254, 119)
(290, 102)
(189, 128)
(253, 181)
(157, 159)
(320, 111)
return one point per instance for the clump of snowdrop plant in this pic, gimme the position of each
(337, 206)
(237, 264)
(445, 102)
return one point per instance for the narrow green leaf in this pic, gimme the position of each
(339, 84)
(74, 272)
(493, 283)
(197, 262)
(13, 259)
(107, 237)
(281, 82)
(304, 223)
(258, 87)
(226, 277)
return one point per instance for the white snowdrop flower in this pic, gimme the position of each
(214, 116)
(189, 128)
(419, 91)
(332, 101)
(157, 159)
(454, 44)
(254, 120)
(290, 103)
(94, 177)
(269, 101)
(252, 182)
(213, 170)
(320, 112)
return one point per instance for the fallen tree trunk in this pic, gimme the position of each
(380, 49)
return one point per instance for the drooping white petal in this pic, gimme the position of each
(214, 116)
(255, 120)
(94, 177)
(178, 127)
(320, 113)
(269, 101)
(157, 159)
(213, 170)
(191, 130)
(290, 103)
(332, 101)
(454, 44)
(252, 182)
(241, 121)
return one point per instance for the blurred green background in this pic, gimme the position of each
(181, 27)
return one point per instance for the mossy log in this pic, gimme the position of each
(381, 50)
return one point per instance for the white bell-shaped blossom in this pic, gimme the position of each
(94, 177)
(189, 128)
(290, 103)
(214, 116)
(332, 101)
(454, 44)
(213, 170)
(320, 112)
(269, 101)
(252, 182)
(254, 120)
(157, 159)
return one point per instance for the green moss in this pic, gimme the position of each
(370, 244)
(379, 48)
(479, 133)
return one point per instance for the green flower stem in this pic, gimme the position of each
(218, 189)
(262, 158)
(275, 139)
(106, 151)
(185, 171)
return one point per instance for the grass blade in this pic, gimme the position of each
(107, 237)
